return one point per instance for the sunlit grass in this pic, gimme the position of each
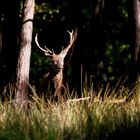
(112, 116)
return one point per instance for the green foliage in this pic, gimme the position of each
(117, 56)
(44, 10)
(39, 66)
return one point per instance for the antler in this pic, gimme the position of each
(73, 36)
(46, 50)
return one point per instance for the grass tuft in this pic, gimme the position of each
(109, 117)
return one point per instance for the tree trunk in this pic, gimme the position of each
(9, 31)
(134, 16)
(95, 60)
(25, 51)
(78, 53)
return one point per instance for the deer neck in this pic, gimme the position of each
(54, 72)
(58, 78)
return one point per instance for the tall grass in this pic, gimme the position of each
(112, 116)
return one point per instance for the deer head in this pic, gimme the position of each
(57, 60)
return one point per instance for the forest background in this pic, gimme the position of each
(104, 49)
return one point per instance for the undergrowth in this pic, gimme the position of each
(111, 116)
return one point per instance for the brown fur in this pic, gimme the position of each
(52, 81)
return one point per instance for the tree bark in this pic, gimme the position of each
(95, 60)
(134, 16)
(9, 32)
(25, 51)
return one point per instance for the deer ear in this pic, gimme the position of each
(47, 54)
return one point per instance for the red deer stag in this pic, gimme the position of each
(55, 75)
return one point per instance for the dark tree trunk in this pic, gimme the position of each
(134, 14)
(8, 54)
(76, 20)
(25, 51)
(95, 62)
